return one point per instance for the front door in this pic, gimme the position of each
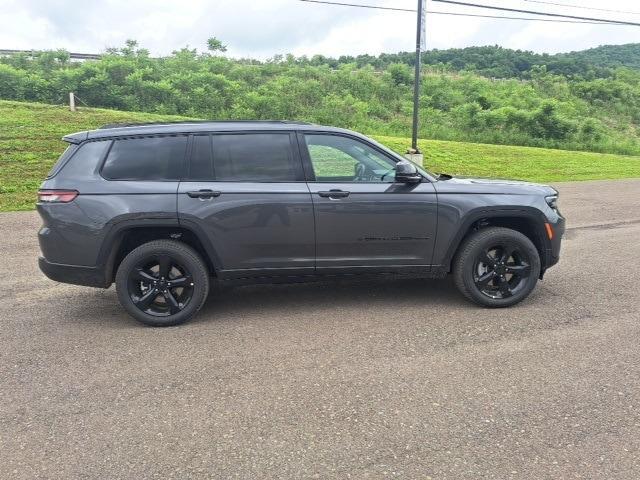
(364, 220)
(246, 192)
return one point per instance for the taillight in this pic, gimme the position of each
(56, 196)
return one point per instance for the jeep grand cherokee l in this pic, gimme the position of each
(161, 209)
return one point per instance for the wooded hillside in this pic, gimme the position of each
(586, 100)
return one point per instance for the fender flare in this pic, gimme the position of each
(115, 235)
(531, 214)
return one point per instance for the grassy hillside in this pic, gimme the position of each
(30, 143)
(520, 163)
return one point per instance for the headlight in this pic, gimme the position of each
(552, 201)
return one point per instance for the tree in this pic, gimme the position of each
(215, 45)
(401, 74)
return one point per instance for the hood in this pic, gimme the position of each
(492, 185)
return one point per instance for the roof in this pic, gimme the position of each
(211, 122)
(128, 129)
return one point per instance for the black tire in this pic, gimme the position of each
(496, 267)
(158, 300)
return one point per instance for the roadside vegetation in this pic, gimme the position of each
(30, 143)
(586, 101)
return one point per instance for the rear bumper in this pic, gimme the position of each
(74, 274)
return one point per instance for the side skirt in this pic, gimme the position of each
(267, 278)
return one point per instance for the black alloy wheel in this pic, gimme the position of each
(501, 271)
(160, 286)
(496, 267)
(162, 283)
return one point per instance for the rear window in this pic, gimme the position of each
(148, 158)
(250, 157)
(71, 148)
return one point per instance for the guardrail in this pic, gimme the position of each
(72, 55)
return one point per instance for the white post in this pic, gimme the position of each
(72, 102)
(413, 156)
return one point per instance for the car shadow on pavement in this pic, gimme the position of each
(231, 304)
(339, 295)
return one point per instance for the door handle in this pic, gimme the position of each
(204, 193)
(334, 194)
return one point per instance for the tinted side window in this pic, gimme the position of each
(255, 157)
(149, 158)
(342, 159)
(70, 150)
(84, 162)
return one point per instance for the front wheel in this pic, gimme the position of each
(162, 283)
(496, 267)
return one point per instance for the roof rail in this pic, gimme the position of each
(142, 124)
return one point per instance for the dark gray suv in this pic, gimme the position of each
(161, 209)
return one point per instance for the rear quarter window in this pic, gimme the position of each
(85, 160)
(69, 151)
(149, 158)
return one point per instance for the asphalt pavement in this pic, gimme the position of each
(354, 379)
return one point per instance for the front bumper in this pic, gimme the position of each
(74, 274)
(554, 245)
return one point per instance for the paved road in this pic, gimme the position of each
(350, 380)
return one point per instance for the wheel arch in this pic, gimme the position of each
(526, 220)
(127, 235)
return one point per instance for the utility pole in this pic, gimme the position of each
(413, 153)
(420, 44)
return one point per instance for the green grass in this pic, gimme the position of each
(30, 143)
(519, 163)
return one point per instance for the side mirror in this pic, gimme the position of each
(406, 172)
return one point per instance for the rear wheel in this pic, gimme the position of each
(162, 283)
(496, 267)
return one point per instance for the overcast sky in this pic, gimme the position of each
(263, 28)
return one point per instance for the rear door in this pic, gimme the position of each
(364, 220)
(246, 193)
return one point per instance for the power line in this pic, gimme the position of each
(532, 12)
(458, 14)
(377, 7)
(522, 18)
(572, 5)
